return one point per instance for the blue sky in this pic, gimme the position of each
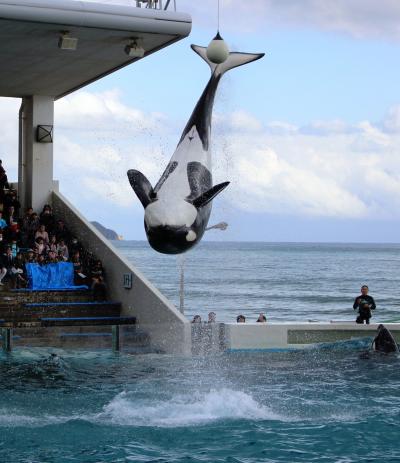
(309, 136)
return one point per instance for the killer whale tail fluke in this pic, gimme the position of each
(142, 187)
(234, 60)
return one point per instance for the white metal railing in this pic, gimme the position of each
(156, 4)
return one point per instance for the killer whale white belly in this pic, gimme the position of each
(189, 150)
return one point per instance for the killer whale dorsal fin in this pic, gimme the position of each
(141, 186)
(209, 195)
(234, 60)
(167, 172)
(199, 178)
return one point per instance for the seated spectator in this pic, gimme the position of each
(61, 232)
(51, 258)
(42, 233)
(97, 269)
(63, 249)
(40, 247)
(10, 215)
(52, 246)
(9, 264)
(99, 289)
(26, 217)
(30, 257)
(3, 269)
(212, 316)
(14, 247)
(3, 243)
(196, 319)
(79, 276)
(32, 228)
(3, 180)
(13, 225)
(241, 319)
(75, 246)
(11, 200)
(261, 318)
(47, 218)
(19, 271)
(41, 259)
(3, 223)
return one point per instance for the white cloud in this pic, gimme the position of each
(391, 122)
(333, 173)
(87, 111)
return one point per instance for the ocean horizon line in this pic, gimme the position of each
(276, 242)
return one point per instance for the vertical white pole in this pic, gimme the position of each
(182, 285)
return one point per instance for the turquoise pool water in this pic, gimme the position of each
(322, 405)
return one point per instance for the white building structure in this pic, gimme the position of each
(49, 49)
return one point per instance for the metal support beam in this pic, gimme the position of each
(115, 338)
(7, 334)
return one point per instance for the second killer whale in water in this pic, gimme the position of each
(178, 208)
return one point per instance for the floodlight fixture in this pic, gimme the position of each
(134, 50)
(65, 42)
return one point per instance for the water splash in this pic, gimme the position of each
(186, 410)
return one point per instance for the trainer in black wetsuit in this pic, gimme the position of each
(364, 304)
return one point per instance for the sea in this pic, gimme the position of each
(286, 281)
(324, 404)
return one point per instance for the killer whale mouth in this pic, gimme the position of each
(171, 240)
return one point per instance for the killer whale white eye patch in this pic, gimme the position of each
(191, 235)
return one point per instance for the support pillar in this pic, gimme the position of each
(7, 334)
(115, 338)
(35, 166)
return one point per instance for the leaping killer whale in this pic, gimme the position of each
(178, 208)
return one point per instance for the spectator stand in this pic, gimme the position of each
(42, 288)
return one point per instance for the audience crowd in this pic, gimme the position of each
(42, 239)
(212, 318)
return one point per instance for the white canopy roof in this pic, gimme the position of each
(31, 63)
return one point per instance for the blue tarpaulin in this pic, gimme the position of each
(51, 276)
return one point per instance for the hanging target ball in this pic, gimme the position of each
(217, 50)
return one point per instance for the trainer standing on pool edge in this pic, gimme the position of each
(364, 303)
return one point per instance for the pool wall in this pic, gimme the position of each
(271, 336)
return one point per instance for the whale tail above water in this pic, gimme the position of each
(234, 60)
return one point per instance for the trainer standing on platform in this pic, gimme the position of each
(364, 303)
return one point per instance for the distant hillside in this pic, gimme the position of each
(109, 234)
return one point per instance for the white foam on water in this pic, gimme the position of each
(185, 410)
(12, 418)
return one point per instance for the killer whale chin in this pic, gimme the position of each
(167, 240)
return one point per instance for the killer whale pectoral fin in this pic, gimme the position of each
(142, 187)
(167, 172)
(209, 195)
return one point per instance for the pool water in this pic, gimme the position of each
(322, 405)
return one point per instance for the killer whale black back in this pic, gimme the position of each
(384, 341)
(178, 208)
